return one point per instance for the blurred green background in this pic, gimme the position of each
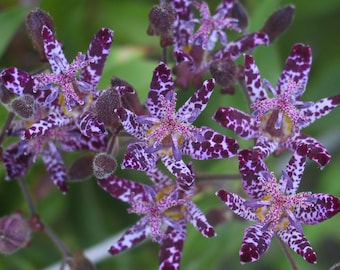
(87, 215)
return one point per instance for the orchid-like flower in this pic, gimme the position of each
(166, 134)
(277, 207)
(276, 121)
(166, 211)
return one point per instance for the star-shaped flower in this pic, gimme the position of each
(276, 122)
(211, 27)
(166, 211)
(168, 134)
(276, 207)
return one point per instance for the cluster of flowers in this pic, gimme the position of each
(62, 109)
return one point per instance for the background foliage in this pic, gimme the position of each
(87, 215)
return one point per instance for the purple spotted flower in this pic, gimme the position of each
(276, 121)
(166, 134)
(277, 207)
(166, 211)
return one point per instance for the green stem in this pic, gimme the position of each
(289, 255)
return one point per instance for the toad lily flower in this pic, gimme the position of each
(276, 207)
(167, 134)
(276, 122)
(166, 211)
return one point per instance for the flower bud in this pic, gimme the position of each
(161, 23)
(14, 233)
(104, 165)
(278, 22)
(225, 72)
(81, 168)
(23, 106)
(5, 95)
(239, 12)
(35, 20)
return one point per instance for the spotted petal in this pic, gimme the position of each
(55, 166)
(198, 219)
(325, 207)
(297, 242)
(197, 103)
(213, 146)
(241, 123)
(122, 189)
(296, 68)
(89, 124)
(236, 204)
(319, 109)
(161, 84)
(171, 247)
(98, 51)
(131, 237)
(53, 51)
(256, 242)
(250, 165)
(136, 158)
(16, 81)
(130, 124)
(182, 172)
(264, 146)
(159, 178)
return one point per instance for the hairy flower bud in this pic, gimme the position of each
(81, 168)
(23, 106)
(161, 23)
(5, 95)
(35, 20)
(278, 22)
(14, 233)
(239, 12)
(225, 72)
(104, 165)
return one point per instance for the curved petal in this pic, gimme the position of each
(98, 51)
(250, 165)
(193, 107)
(296, 68)
(196, 217)
(297, 242)
(136, 158)
(265, 146)
(170, 253)
(159, 178)
(130, 124)
(214, 146)
(161, 84)
(183, 174)
(131, 237)
(325, 207)
(256, 241)
(236, 204)
(241, 123)
(17, 81)
(89, 124)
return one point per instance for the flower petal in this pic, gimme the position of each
(198, 219)
(250, 165)
(296, 68)
(241, 123)
(325, 207)
(265, 146)
(297, 242)
(17, 81)
(256, 241)
(130, 124)
(131, 237)
(236, 204)
(98, 51)
(172, 246)
(214, 146)
(197, 103)
(183, 174)
(161, 84)
(89, 124)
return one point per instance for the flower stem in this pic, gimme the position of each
(6, 126)
(289, 255)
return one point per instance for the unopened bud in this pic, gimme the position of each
(35, 20)
(23, 106)
(81, 168)
(225, 72)
(15, 233)
(104, 165)
(278, 22)
(218, 216)
(161, 23)
(239, 12)
(5, 95)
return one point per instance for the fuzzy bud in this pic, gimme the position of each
(161, 23)
(278, 22)
(35, 20)
(104, 165)
(5, 95)
(225, 72)
(15, 233)
(23, 106)
(81, 168)
(239, 12)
